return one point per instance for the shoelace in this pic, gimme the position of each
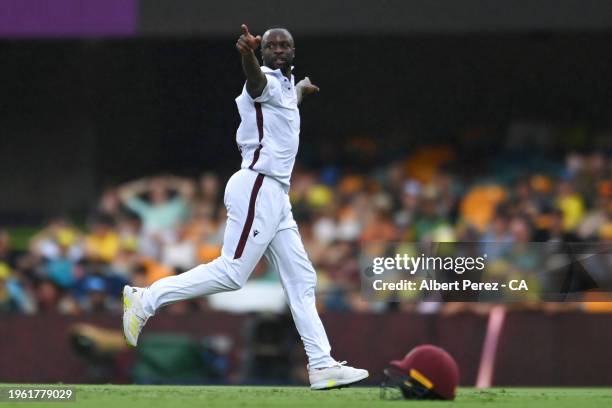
(338, 364)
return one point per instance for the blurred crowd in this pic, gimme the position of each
(154, 227)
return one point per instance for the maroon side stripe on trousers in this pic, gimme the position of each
(250, 216)
(259, 116)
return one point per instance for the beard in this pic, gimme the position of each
(283, 64)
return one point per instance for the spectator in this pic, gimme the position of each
(7, 255)
(102, 242)
(387, 207)
(571, 205)
(161, 211)
(7, 303)
(58, 238)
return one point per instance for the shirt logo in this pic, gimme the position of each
(255, 233)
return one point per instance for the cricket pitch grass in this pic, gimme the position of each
(137, 396)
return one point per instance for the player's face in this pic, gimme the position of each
(277, 50)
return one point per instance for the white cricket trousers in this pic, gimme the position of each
(260, 222)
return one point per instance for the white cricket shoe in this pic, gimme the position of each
(133, 315)
(337, 376)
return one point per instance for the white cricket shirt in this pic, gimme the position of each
(269, 131)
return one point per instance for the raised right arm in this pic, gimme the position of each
(256, 79)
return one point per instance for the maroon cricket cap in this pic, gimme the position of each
(433, 367)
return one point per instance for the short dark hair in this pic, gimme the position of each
(276, 29)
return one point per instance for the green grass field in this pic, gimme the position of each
(118, 396)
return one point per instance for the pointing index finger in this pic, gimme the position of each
(245, 29)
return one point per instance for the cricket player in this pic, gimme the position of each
(260, 221)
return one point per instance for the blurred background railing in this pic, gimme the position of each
(559, 349)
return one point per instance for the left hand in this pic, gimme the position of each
(307, 87)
